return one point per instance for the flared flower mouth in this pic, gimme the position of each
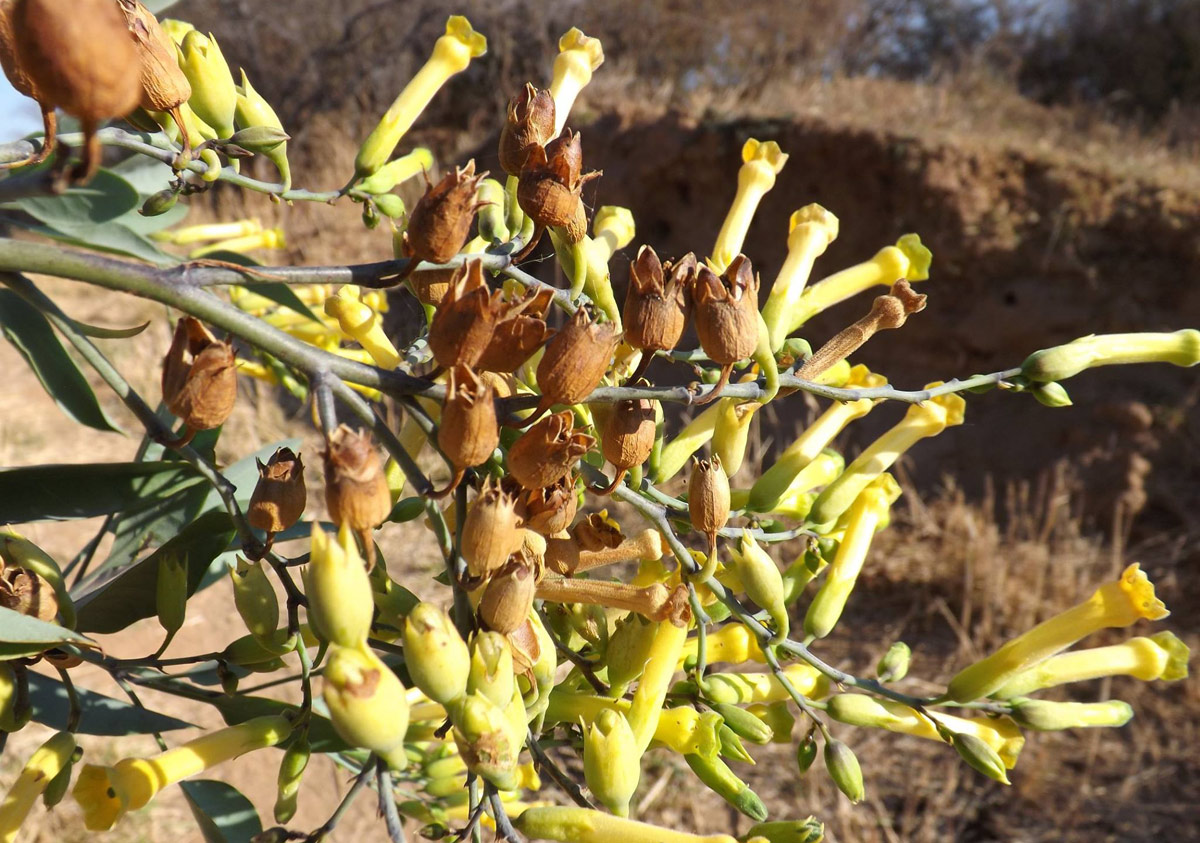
(1131, 598)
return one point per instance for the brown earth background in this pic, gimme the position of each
(1047, 221)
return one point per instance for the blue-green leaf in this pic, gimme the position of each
(22, 635)
(99, 715)
(61, 492)
(222, 812)
(30, 333)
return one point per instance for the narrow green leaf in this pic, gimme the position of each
(30, 333)
(112, 603)
(406, 509)
(102, 333)
(21, 635)
(104, 198)
(99, 714)
(62, 492)
(222, 812)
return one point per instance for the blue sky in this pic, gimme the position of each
(18, 114)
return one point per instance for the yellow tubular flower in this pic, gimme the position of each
(731, 643)
(613, 229)
(761, 162)
(586, 265)
(47, 761)
(451, 54)
(1065, 361)
(1047, 716)
(578, 57)
(272, 238)
(420, 160)
(908, 259)
(688, 441)
(682, 728)
(340, 603)
(731, 434)
(867, 516)
(1001, 734)
(777, 480)
(214, 94)
(106, 793)
(1161, 656)
(647, 702)
(611, 761)
(811, 230)
(746, 688)
(363, 324)
(1114, 604)
(927, 419)
(208, 231)
(251, 111)
(583, 825)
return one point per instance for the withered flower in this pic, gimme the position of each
(656, 306)
(164, 85)
(598, 532)
(708, 503)
(280, 496)
(356, 489)
(726, 316)
(530, 122)
(468, 433)
(79, 58)
(627, 437)
(575, 360)
(547, 451)
(508, 595)
(23, 83)
(466, 318)
(520, 332)
(199, 379)
(656, 601)
(441, 219)
(550, 509)
(550, 188)
(526, 649)
(431, 285)
(27, 592)
(492, 531)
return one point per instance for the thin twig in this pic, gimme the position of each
(545, 764)
(387, 802)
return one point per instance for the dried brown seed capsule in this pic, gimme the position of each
(465, 319)
(726, 311)
(520, 332)
(356, 489)
(164, 85)
(492, 531)
(468, 433)
(530, 122)
(29, 593)
(280, 496)
(655, 311)
(199, 379)
(526, 649)
(441, 219)
(547, 451)
(431, 285)
(80, 59)
(628, 437)
(551, 509)
(23, 83)
(598, 532)
(550, 188)
(575, 360)
(508, 596)
(708, 501)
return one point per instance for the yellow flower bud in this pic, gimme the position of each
(843, 768)
(1116, 604)
(628, 649)
(732, 643)
(251, 111)
(46, 762)
(867, 516)
(367, 703)
(908, 259)
(893, 666)
(1047, 716)
(491, 668)
(208, 231)
(777, 717)
(761, 162)
(731, 434)
(419, 161)
(360, 322)
(647, 703)
(171, 592)
(435, 654)
(1161, 656)
(1182, 348)
(287, 783)
(340, 605)
(578, 56)
(738, 688)
(722, 781)
(808, 830)
(451, 54)
(980, 756)
(810, 231)
(762, 581)
(584, 825)
(611, 761)
(106, 793)
(484, 737)
(744, 723)
(15, 708)
(693, 437)
(254, 598)
(214, 94)
(272, 238)
(922, 420)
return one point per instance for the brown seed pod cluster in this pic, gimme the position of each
(466, 318)
(356, 489)
(520, 331)
(550, 188)
(575, 360)
(441, 220)
(546, 452)
(656, 305)
(726, 312)
(199, 379)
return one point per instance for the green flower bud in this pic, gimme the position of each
(744, 724)
(627, 651)
(260, 139)
(370, 217)
(1182, 348)
(255, 599)
(491, 671)
(809, 830)
(420, 160)
(493, 225)
(611, 761)
(57, 788)
(366, 702)
(843, 768)
(484, 738)
(214, 95)
(171, 592)
(806, 753)
(340, 605)
(722, 781)
(976, 752)
(1050, 394)
(252, 111)
(894, 665)
(159, 203)
(1047, 716)
(390, 205)
(291, 771)
(435, 654)
(732, 746)
(15, 707)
